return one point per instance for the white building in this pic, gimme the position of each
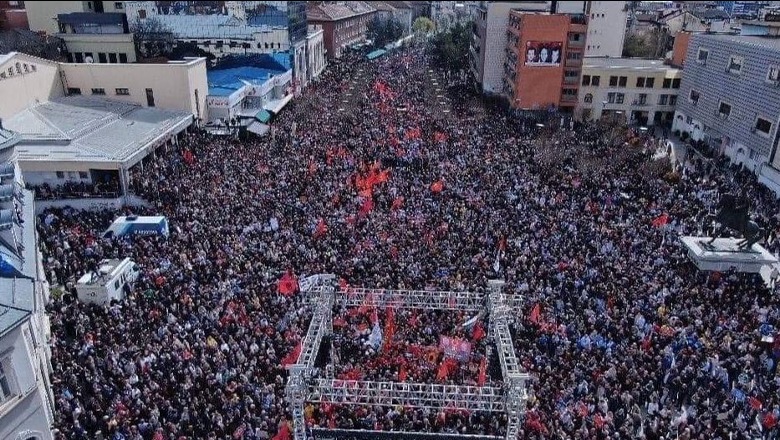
(446, 14)
(26, 397)
(315, 53)
(606, 29)
(488, 49)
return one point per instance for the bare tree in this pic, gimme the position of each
(152, 37)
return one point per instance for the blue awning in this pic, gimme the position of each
(263, 116)
(376, 54)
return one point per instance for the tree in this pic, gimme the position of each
(152, 37)
(653, 44)
(451, 48)
(382, 32)
(423, 25)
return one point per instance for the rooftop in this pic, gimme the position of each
(225, 82)
(626, 63)
(764, 42)
(218, 26)
(72, 18)
(86, 128)
(337, 11)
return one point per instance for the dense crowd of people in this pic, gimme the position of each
(624, 337)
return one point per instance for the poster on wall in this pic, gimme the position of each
(543, 53)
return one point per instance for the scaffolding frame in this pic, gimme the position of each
(303, 385)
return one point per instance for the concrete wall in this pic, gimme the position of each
(495, 45)
(606, 29)
(680, 48)
(97, 44)
(30, 412)
(24, 88)
(315, 53)
(42, 14)
(174, 85)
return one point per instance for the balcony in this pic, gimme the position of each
(571, 80)
(573, 62)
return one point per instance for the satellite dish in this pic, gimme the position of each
(89, 60)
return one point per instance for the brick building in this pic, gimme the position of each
(343, 23)
(544, 60)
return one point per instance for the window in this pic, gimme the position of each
(613, 81)
(142, 14)
(694, 97)
(585, 80)
(663, 99)
(640, 81)
(588, 98)
(620, 98)
(83, 175)
(102, 57)
(701, 56)
(650, 83)
(763, 126)
(724, 110)
(122, 91)
(60, 174)
(672, 99)
(667, 84)
(735, 64)
(773, 75)
(79, 57)
(74, 91)
(595, 80)
(641, 99)
(99, 91)
(123, 58)
(118, 5)
(112, 58)
(150, 97)
(611, 97)
(676, 83)
(219, 44)
(623, 80)
(6, 391)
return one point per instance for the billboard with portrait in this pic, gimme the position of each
(543, 53)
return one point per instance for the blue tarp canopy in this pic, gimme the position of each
(263, 116)
(376, 54)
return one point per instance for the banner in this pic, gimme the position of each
(455, 348)
(543, 53)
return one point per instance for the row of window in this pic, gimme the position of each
(120, 91)
(18, 69)
(622, 81)
(103, 57)
(233, 44)
(761, 125)
(641, 99)
(736, 63)
(72, 175)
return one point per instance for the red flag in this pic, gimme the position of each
(479, 332)
(647, 341)
(321, 229)
(292, 357)
(402, 374)
(389, 325)
(661, 220)
(287, 284)
(755, 403)
(367, 206)
(312, 167)
(440, 137)
(398, 202)
(343, 285)
(437, 186)
(188, 157)
(445, 368)
(482, 372)
(284, 433)
(502, 244)
(535, 313)
(374, 316)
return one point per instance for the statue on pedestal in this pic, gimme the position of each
(733, 213)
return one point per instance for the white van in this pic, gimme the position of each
(108, 282)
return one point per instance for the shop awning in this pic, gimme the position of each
(257, 128)
(277, 105)
(263, 116)
(376, 54)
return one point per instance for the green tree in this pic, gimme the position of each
(152, 37)
(451, 48)
(423, 25)
(382, 32)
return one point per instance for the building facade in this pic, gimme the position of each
(644, 92)
(26, 395)
(446, 14)
(343, 23)
(96, 37)
(730, 98)
(315, 53)
(13, 15)
(543, 60)
(606, 28)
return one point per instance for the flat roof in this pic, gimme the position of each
(17, 295)
(769, 42)
(226, 81)
(90, 129)
(626, 63)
